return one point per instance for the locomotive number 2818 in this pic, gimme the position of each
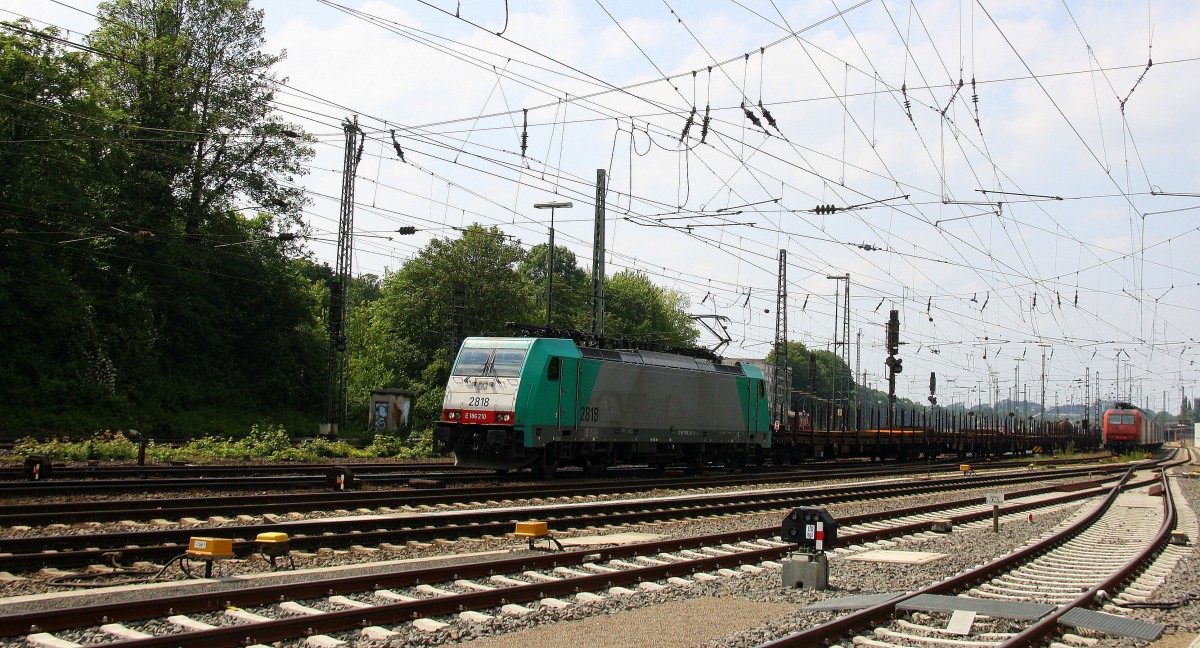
(589, 414)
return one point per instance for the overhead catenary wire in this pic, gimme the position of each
(655, 136)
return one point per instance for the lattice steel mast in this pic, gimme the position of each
(597, 318)
(339, 351)
(779, 387)
(854, 385)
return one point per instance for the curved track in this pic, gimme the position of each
(1056, 579)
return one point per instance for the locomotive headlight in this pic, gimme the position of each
(504, 417)
(452, 415)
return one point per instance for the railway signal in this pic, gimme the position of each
(815, 531)
(893, 333)
(893, 363)
(810, 527)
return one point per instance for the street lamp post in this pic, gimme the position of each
(550, 256)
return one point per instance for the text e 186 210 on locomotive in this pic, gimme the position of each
(1127, 427)
(542, 402)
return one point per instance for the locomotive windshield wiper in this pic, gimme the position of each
(489, 365)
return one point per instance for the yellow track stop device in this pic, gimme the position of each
(208, 550)
(274, 544)
(534, 531)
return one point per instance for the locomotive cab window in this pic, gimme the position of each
(490, 361)
(762, 388)
(553, 369)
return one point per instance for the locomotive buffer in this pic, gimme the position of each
(814, 530)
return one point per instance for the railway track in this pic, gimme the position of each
(84, 546)
(430, 491)
(90, 480)
(466, 593)
(160, 508)
(1032, 595)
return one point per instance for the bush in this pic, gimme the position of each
(385, 445)
(269, 442)
(105, 446)
(326, 448)
(266, 441)
(420, 445)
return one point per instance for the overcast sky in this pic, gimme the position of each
(1033, 210)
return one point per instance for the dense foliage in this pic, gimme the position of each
(122, 301)
(265, 443)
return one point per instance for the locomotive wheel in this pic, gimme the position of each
(736, 462)
(595, 466)
(547, 464)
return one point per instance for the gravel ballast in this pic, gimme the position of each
(614, 620)
(752, 608)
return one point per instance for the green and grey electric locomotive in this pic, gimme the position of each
(541, 403)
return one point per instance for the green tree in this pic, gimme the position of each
(572, 286)
(192, 90)
(275, 341)
(133, 291)
(52, 186)
(190, 76)
(636, 308)
(819, 378)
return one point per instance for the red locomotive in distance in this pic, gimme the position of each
(1127, 427)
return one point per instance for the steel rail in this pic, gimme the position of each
(57, 619)
(879, 613)
(154, 471)
(1049, 624)
(831, 630)
(260, 482)
(254, 478)
(145, 509)
(264, 477)
(79, 549)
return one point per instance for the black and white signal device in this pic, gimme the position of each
(811, 527)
